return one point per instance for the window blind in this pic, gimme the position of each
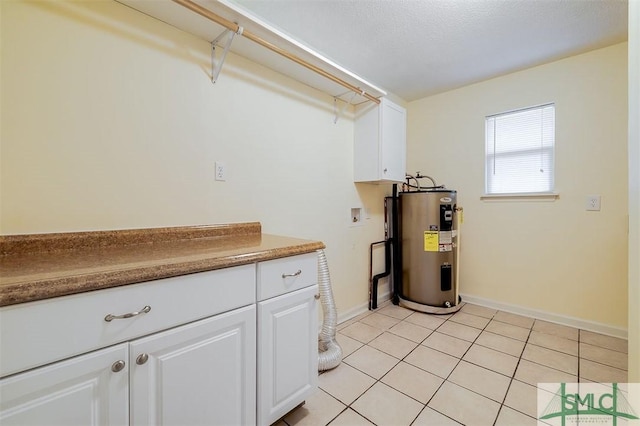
(520, 151)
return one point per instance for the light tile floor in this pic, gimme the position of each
(478, 366)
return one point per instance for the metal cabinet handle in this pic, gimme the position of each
(111, 317)
(118, 366)
(298, 272)
(142, 358)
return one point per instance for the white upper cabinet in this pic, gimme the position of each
(380, 142)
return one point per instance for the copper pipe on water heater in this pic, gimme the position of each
(232, 26)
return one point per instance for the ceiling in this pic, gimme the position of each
(417, 48)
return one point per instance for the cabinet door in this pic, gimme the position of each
(393, 141)
(380, 135)
(287, 352)
(83, 390)
(201, 373)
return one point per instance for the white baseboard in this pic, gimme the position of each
(354, 312)
(582, 324)
(548, 316)
(569, 321)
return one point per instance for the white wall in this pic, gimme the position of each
(110, 121)
(552, 256)
(634, 191)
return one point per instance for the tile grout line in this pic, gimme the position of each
(501, 404)
(399, 361)
(348, 406)
(376, 380)
(458, 363)
(426, 405)
(443, 381)
(380, 379)
(480, 366)
(402, 359)
(450, 319)
(579, 341)
(513, 375)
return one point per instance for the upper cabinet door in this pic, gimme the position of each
(393, 146)
(91, 389)
(203, 373)
(380, 142)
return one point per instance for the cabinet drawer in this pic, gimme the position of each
(41, 332)
(280, 276)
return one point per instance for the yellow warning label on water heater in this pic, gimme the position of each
(431, 240)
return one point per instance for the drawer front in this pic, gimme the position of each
(41, 332)
(280, 276)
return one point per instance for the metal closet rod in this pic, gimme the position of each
(194, 7)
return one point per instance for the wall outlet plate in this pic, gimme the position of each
(221, 171)
(592, 203)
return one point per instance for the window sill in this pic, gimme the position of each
(536, 196)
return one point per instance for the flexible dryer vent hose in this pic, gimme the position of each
(330, 352)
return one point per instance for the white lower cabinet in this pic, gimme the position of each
(287, 334)
(90, 389)
(287, 352)
(202, 373)
(249, 361)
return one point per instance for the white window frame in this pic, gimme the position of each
(545, 151)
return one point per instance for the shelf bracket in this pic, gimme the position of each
(233, 26)
(216, 67)
(335, 105)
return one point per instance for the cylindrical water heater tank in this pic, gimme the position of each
(428, 238)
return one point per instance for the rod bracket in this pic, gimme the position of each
(336, 113)
(216, 67)
(235, 28)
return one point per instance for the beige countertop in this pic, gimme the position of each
(41, 266)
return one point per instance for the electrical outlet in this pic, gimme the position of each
(592, 203)
(221, 171)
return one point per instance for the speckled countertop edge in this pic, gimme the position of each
(104, 259)
(39, 243)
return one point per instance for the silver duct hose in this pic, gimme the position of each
(330, 352)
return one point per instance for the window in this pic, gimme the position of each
(519, 151)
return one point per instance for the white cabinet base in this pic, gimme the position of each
(287, 352)
(197, 374)
(208, 352)
(80, 391)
